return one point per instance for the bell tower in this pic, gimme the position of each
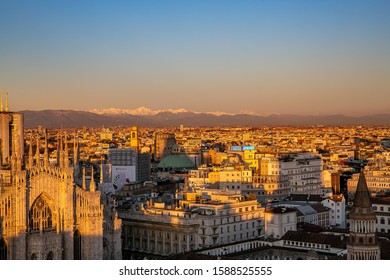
(363, 241)
(134, 138)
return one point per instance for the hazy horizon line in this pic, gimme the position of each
(216, 112)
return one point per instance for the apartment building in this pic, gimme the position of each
(199, 219)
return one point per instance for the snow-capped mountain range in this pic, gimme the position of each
(140, 111)
(146, 117)
(143, 111)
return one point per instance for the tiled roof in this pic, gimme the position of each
(337, 241)
(280, 210)
(381, 200)
(306, 197)
(337, 197)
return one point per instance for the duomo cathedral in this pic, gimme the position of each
(50, 210)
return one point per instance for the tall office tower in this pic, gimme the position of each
(123, 166)
(143, 167)
(163, 145)
(363, 241)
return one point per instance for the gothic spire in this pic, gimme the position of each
(75, 150)
(30, 163)
(66, 152)
(6, 101)
(18, 156)
(46, 153)
(84, 185)
(37, 154)
(362, 195)
(92, 185)
(101, 173)
(59, 149)
(363, 241)
(1, 104)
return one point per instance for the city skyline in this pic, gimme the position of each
(288, 57)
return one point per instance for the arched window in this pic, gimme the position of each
(3, 249)
(41, 215)
(50, 256)
(77, 245)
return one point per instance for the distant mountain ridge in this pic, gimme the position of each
(144, 111)
(140, 111)
(159, 118)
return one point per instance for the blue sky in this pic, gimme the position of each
(302, 57)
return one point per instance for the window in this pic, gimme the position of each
(50, 256)
(77, 245)
(3, 249)
(41, 216)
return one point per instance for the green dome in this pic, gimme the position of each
(176, 161)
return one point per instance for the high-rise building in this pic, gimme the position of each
(143, 167)
(163, 145)
(123, 166)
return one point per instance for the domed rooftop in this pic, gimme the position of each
(176, 161)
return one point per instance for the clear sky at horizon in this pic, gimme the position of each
(299, 57)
